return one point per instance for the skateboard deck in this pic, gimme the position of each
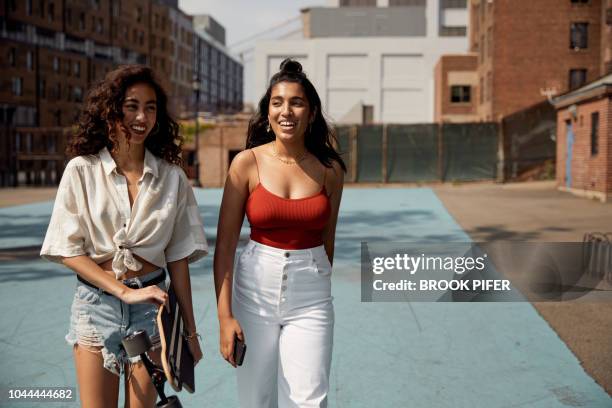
(176, 358)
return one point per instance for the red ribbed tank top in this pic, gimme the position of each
(285, 222)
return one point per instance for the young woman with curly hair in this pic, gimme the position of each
(288, 183)
(124, 212)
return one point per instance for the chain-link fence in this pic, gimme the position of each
(420, 152)
(529, 143)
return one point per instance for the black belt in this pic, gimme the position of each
(134, 285)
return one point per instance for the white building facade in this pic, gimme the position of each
(372, 63)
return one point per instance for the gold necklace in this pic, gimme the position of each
(295, 161)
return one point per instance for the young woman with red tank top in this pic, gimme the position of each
(277, 298)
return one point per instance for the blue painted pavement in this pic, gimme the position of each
(385, 354)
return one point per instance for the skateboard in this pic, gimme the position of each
(177, 361)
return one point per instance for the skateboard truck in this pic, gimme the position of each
(137, 344)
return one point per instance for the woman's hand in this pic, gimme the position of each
(193, 342)
(228, 328)
(150, 294)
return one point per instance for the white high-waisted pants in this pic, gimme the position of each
(282, 300)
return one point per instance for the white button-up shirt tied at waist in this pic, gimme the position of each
(93, 215)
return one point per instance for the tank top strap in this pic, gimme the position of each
(256, 165)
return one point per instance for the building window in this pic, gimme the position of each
(594, 133)
(357, 3)
(489, 42)
(11, 57)
(77, 69)
(78, 94)
(82, 21)
(100, 26)
(489, 86)
(41, 8)
(51, 12)
(577, 78)
(17, 86)
(55, 64)
(579, 36)
(29, 60)
(138, 14)
(28, 7)
(580, 1)
(460, 93)
(482, 85)
(456, 4)
(42, 85)
(68, 16)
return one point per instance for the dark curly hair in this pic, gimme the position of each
(320, 139)
(104, 107)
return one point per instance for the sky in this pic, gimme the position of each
(245, 18)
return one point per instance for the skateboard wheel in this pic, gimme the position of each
(173, 402)
(136, 343)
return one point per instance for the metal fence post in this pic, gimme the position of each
(354, 153)
(440, 156)
(384, 154)
(500, 153)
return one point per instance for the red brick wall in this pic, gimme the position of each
(589, 172)
(529, 41)
(443, 106)
(606, 39)
(606, 134)
(19, 70)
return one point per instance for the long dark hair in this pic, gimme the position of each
(104, 107)
(320, 139)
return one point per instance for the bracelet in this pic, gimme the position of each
(191, 336)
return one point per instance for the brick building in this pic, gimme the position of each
(584, 140)
(219, 74)
(56, 49)
(606, 37)
(456, 84)
(526, 48)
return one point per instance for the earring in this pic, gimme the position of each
(268, 128)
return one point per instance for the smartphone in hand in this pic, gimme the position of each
(239, 350)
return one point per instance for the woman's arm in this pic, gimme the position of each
(85, 267)
(181, 283)
(231, 216)
(334, 185)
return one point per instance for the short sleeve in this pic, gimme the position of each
(188, 239)
(65, 236)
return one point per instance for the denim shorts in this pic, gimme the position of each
(101, 320)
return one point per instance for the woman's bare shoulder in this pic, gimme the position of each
(243, 161)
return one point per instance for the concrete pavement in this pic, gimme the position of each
(385, 354)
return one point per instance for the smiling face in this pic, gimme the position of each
(139, 113)
(288, 111)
